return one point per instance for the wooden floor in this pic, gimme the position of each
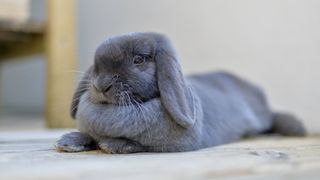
(30, 155)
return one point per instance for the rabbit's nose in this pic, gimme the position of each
(102, 89)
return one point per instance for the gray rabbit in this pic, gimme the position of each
(134, 98)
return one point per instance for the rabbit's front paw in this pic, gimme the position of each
(75, 142)
(120, 146)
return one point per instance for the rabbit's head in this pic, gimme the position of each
(135, 68)
(124, 71)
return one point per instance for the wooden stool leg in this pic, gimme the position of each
(61, 50)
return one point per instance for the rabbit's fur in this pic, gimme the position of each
(135, 98)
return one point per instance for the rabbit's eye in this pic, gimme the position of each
(137, 59)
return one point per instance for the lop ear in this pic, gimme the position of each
(82, 88)
(175, 95)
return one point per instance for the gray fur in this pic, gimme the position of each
(288, 125)
(126, 107)
(75, 142)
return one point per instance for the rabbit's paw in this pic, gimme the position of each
(120, 146)
(75, 142)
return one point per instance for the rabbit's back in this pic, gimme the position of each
(232, 107)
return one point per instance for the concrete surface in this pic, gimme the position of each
(30, 155)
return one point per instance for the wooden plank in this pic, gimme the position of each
(61, 49)
(20, 38)
(31, 27)
(20, 44)
(259, 158)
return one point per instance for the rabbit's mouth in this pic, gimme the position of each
(126, 98)
(119, 98)
(120, 94)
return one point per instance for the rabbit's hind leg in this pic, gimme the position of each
(120, 146)
(75, 142)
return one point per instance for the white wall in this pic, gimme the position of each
(22, 87)
(274, 43)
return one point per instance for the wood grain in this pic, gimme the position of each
(259, 158)
(61, 48)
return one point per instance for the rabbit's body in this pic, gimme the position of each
(229, 108)
(153, 128)
(135, 98)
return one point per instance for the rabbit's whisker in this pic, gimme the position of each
(83, 89)
(74, 71)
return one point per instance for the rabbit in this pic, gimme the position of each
(135, 98)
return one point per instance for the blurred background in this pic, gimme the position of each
(273, 43)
